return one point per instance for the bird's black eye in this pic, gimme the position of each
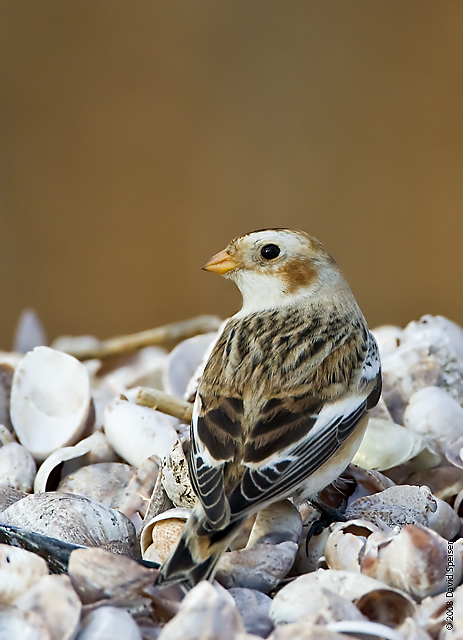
(270, 251)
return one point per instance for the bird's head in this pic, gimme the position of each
(276, 267)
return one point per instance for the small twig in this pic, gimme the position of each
(166, 403)
(167, 336)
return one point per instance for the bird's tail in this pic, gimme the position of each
(197, 552)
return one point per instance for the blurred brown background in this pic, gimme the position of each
(138, 138)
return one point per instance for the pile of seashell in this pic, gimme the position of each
(94, 492)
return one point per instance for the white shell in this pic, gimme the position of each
(386, 445)
(50, 401)
(74, 519)
(406, 370)
(19, 570)
(434, 413)
(17, 467)
(91, 450)
(207, 611)
(388, 338)
(56, 602)
(444, 340)
(109, 623)
(137, 432)
(183, 362)
(144, 368)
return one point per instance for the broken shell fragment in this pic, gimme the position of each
(73, 519)
(97, 574)
(136, 432)
(346, 542)
(91, 450)
(55, 601)
(323, 606)
(175, 478)
(17, 467)
(50, 401)
(133, 501)
(413, 560)
(160, 534)
(19, 570)
(291, 599)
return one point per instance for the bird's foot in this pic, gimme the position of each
(328, 515)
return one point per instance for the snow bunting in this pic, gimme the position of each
(283, 403)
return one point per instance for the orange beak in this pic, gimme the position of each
(220, 263)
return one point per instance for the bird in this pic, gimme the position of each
(284, 399)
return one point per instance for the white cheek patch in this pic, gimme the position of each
(262, 292)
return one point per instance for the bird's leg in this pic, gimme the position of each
(328, 515)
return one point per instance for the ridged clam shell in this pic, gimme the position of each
(104, 482)
(160, 534)
(19, 570)
(91, 450)
(50, 401)
(74, 519)
(407, 504)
